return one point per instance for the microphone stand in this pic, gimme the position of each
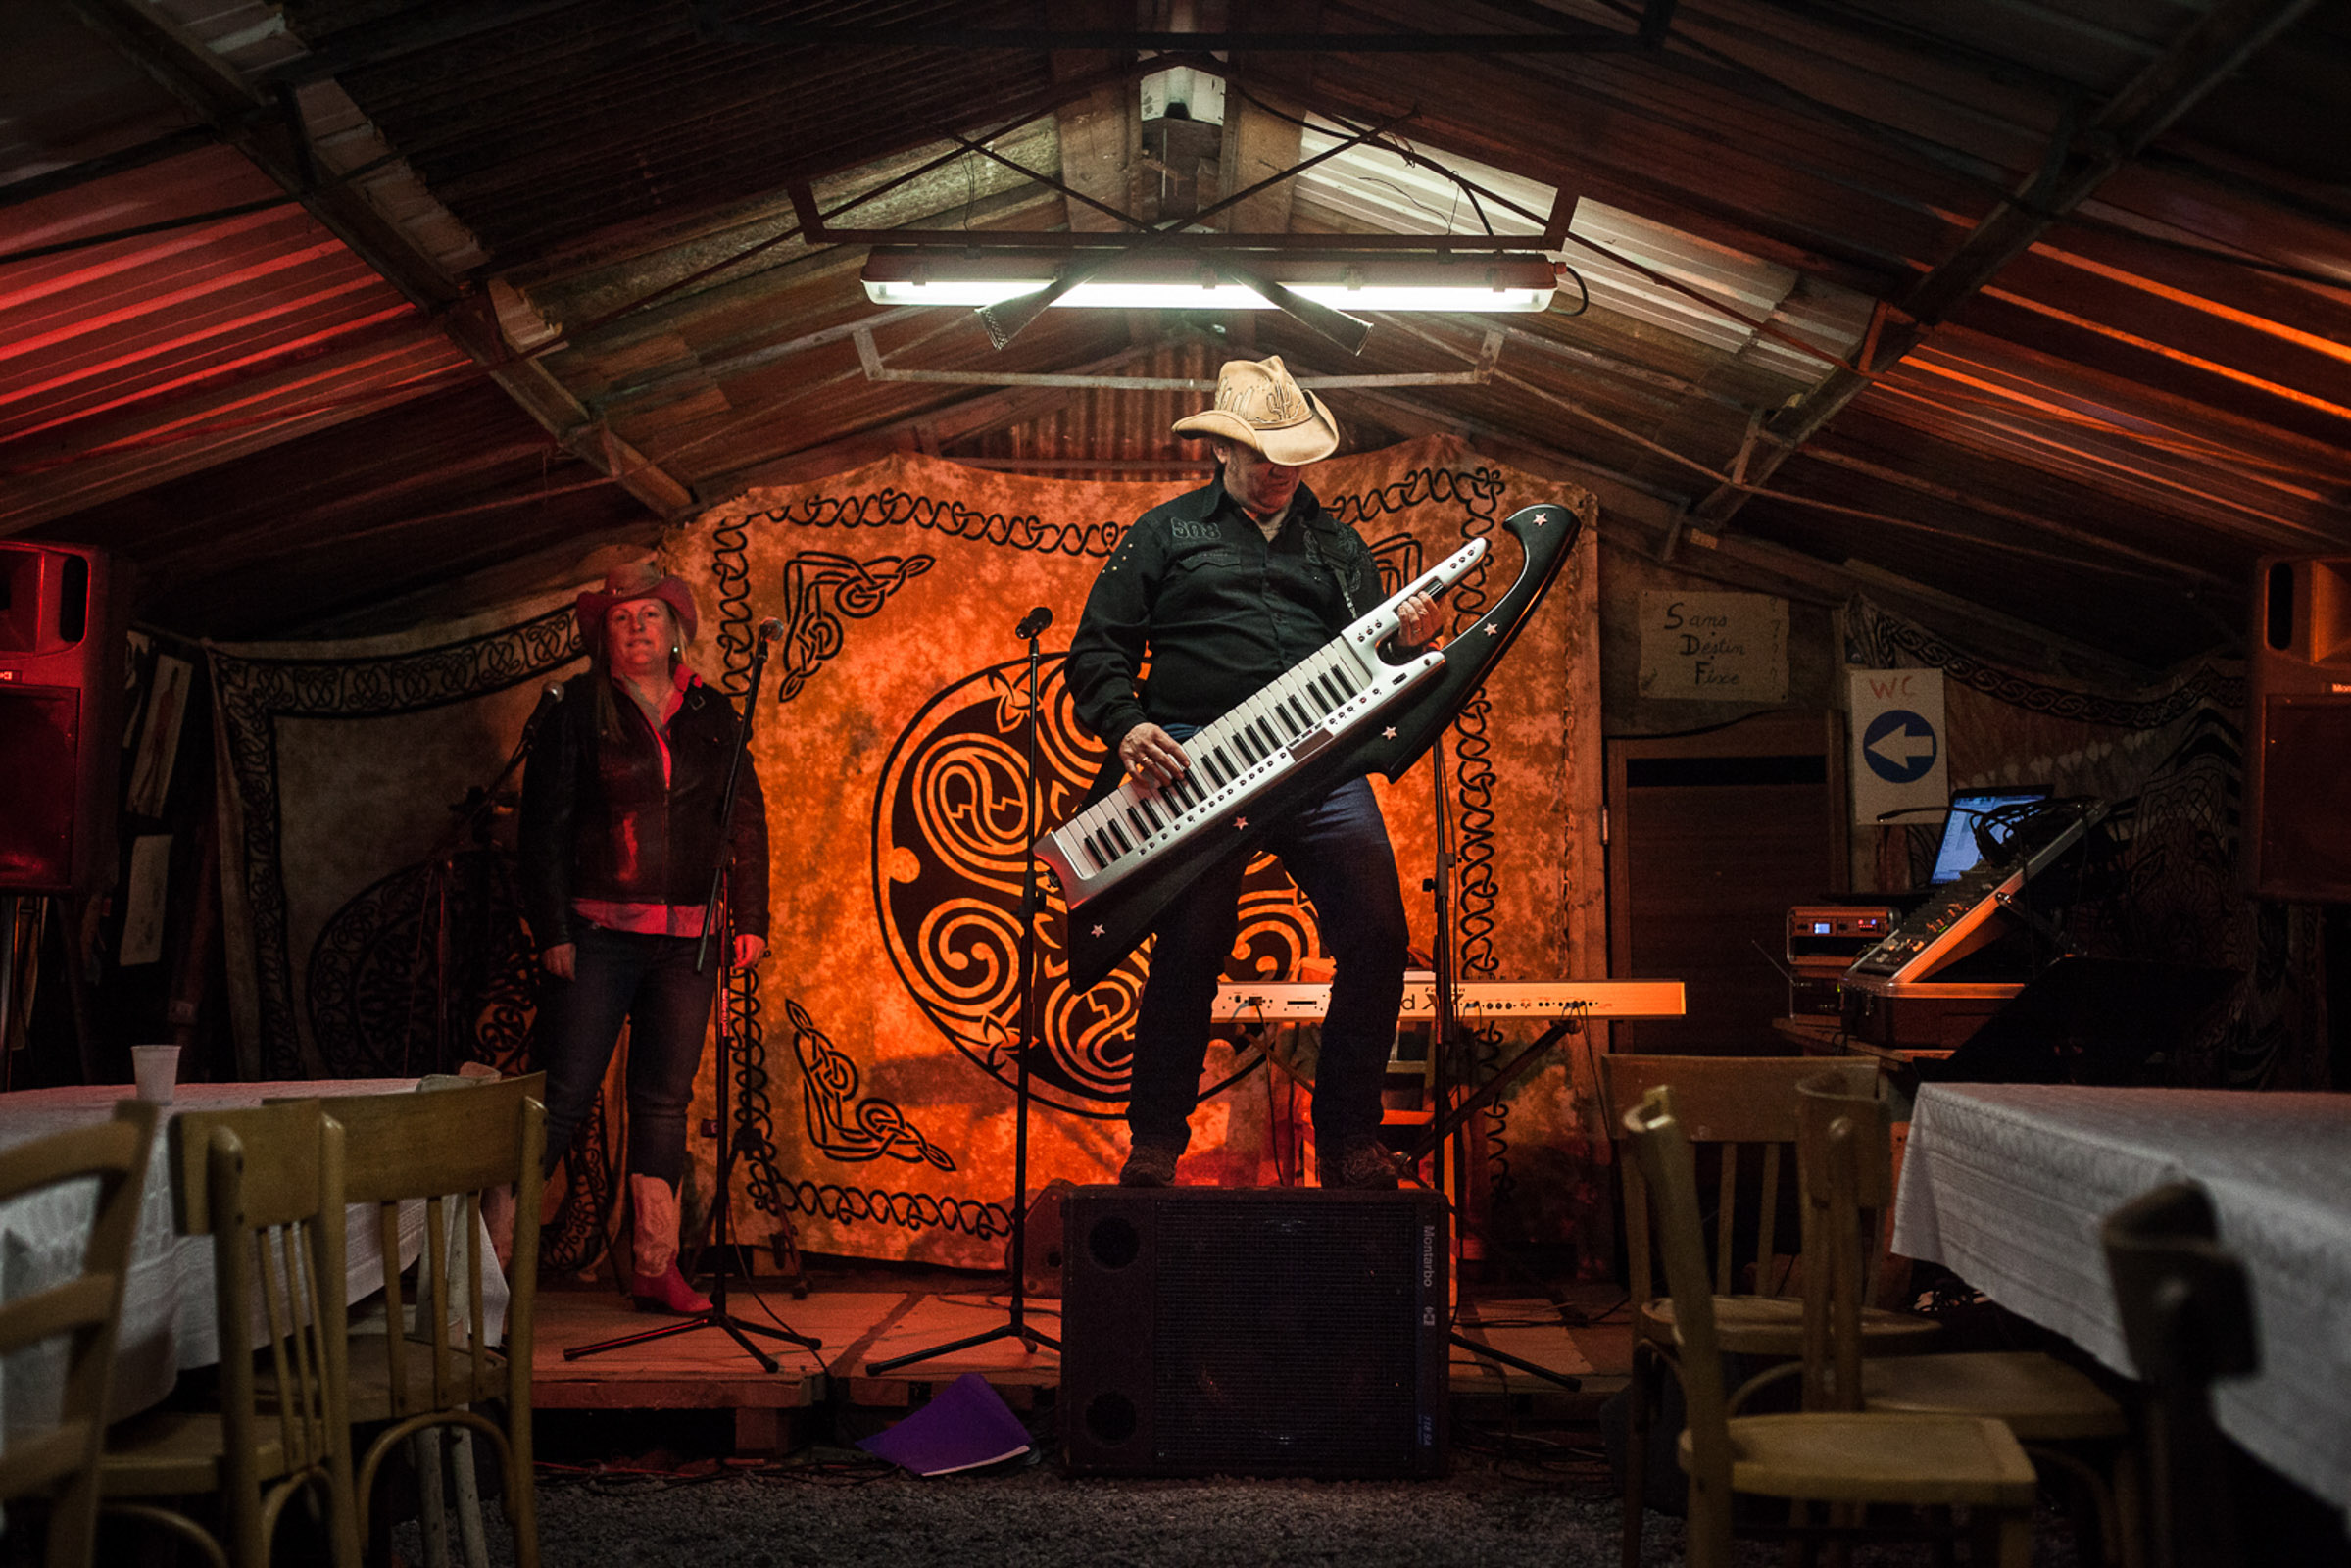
(1016, 1327)
(718, 1317)
(470, 812)
(1444, 1042)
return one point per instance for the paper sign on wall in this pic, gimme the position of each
(1898, 762)
(1714, 647)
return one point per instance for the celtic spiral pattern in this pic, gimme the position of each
(891, 508)
(751, 1119)
(1476, 894)
(503, 1016)
(908, 1211)
(754, 1128)
(253, 693)
(376, 974)
(730, 577)
(582, 1232)
(819, 590)
(2180, 889)
(874, 1128)
(2183, 905)
(953, 825)
(1477, 491)
(1878, 638)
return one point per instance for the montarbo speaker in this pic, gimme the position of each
(1254, 1332)
(2297, 832)
(62, 626)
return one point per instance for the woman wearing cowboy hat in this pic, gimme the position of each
(1221, 591)
(619, 840)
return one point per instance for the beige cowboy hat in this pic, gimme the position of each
(1259, 406)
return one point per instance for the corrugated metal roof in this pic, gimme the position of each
(573, 118)
(2141, 387)
(127, 359)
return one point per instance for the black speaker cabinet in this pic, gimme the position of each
(62, 624)
(2298, 753)
(1254, 1332)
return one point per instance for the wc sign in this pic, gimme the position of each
(1897, 736)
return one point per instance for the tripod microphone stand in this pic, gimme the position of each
(1016, 1327)
(718, 1317)
(1444, 1042)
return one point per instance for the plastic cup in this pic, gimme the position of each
(158, 1069)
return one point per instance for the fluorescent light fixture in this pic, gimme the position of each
(1192, 280)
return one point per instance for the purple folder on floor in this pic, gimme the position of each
(966, 1425)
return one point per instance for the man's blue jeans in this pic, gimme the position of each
(650, 981)
(1337, 850)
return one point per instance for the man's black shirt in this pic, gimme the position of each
(1219, 611)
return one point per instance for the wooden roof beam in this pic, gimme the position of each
(2081, 160)
(1570, 38)
(269, 132)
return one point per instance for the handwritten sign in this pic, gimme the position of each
(1720, 647)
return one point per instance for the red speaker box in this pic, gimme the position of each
(63, 616)
(2298, 753)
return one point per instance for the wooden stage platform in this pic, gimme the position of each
(866, 1318)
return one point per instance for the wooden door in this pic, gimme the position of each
(1712, 837)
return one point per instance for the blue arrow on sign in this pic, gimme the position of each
(1900, 746)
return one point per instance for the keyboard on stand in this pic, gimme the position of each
(1900, 993)
(1303, 1001)
(1962, 918)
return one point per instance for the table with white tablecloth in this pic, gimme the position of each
(167, 1304)
(2007, 1184)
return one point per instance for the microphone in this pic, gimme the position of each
(551, 697)
(772, 630)
(1035, 622)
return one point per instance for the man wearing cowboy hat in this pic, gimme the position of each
(1220, 591)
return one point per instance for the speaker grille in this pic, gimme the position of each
(2304, 834)
(40, 732)
(1285, 1333)
(1256, 1332)
(63, 609)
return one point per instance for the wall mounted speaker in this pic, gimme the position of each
(1254, 1332)
(62, 615)
(2297, 834)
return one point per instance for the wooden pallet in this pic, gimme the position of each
(705, 1370)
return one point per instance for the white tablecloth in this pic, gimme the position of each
(168, 1297)
(2006, 1185)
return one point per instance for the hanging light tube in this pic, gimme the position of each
(1369, 281)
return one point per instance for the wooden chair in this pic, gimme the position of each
(2187, 1316)
(1834, 1458)
(267, 1185)
(1846, 1163)
(450, 1148)
(1745, 1109)
(62, 1464)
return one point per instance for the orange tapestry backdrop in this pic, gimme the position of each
(876, 1104)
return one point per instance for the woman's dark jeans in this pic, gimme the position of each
(650, 981)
